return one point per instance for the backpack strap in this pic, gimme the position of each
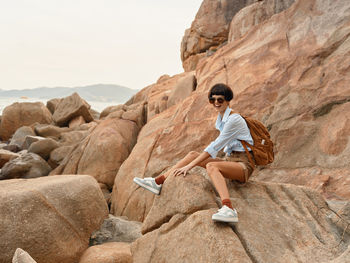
(244, 143)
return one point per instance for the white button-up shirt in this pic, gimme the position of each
(233, 128)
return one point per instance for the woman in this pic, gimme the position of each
(234, 166)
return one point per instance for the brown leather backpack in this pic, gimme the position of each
(263, 146)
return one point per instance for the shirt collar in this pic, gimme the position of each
(226, 114)
(219, 121)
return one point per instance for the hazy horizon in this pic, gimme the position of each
(79, 43)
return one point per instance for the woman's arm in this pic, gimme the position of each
(183, 170)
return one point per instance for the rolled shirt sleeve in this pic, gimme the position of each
(232, 129)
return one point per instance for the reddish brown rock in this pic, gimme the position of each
(29, 139)
(22, 114)
(27, 165)
(112, 252)
(157, 95)
(57, 155)
(111, 109)
(183, 89)
(161, 143)
(6, 156)
(181, 196)
(260, 235)
(191, 63)
(51, 218)
(73, 137)
(44, 147)
(71, 107)
(255, 14)
(210, 27)
(52, 104)
(76, 122)
(50, 130)
(290, 72)
(103, 151)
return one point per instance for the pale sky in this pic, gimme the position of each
(83, 42)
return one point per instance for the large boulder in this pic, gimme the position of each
(103, 151)
(69, 108)
(274, 220)
(219, 21)
(210, 27)
(255, 14)
(112, 252)
(51, 218)
(27, 165)
(163, 141)
(290, 73)
(22, 114)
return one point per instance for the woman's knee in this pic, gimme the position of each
(211, 167)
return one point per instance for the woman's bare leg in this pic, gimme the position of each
(186, 160)
(218, 171)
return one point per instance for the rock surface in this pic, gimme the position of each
(50, 130)
(295, 68)
(103, 151)
(255, 14)
(76, 122)
(6, 156)
(116, 229)
(183, 89)
(69, 108)
(210, 27)
(22, 114)
(19, 136)
(164, 140)
(52, 104)
(43, 148)
(57, 216)
(113, 252)
(259, 236)
(27, 165)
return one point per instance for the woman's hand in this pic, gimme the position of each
(182, 170)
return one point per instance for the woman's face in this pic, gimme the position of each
(219, 103)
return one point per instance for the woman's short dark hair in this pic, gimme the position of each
(221, 89)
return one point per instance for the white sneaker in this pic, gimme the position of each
(149, 183)
(226, 214)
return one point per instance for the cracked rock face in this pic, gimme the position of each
(101, 153)
(277, 223)
(291, 73)
(51, 217)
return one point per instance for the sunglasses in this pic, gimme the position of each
(219, 100)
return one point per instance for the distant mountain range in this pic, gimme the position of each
(99, 92)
